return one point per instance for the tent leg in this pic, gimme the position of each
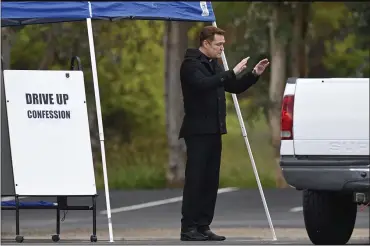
(244, 132)
(100, 123)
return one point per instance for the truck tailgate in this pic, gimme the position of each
(331, 117)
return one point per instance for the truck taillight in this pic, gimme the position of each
(286, 125)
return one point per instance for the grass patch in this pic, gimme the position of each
(236, 167)
(133, 177)
(142, 163)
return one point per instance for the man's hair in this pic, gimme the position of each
(208, 33)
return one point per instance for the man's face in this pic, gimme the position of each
(215, 48)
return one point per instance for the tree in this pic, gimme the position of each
(7, 38)
(278, 50)
(176, 42)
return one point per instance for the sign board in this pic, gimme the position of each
(49, 133)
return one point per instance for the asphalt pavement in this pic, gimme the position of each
(153, 217)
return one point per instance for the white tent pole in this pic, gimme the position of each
(244, 132)
(100, 123)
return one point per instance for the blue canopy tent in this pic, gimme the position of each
(40, 12)
(18, 13)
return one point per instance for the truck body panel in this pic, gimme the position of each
(331, 117)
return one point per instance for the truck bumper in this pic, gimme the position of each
(334, 174)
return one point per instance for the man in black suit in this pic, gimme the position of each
(204, 83)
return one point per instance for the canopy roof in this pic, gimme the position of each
(16, 13)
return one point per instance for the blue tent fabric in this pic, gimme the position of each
(15, 13)
(186, 11)
(39, 12)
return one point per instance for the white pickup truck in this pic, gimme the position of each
(325, 152)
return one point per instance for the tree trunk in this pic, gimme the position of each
(7, 36)
(299, 59)
(296, 44)
(48, 55)
(176, 41)
(276, 88)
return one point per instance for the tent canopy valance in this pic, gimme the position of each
(40, 12)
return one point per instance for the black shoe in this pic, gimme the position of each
(212, 236)
(192, 235)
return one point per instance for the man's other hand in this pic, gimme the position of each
(261, 66)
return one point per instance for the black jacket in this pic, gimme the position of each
(204, 83)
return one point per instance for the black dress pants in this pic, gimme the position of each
(201, 180)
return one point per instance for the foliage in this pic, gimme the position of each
(353, 61)
(130, 65)
(131, 75)
(341, 33)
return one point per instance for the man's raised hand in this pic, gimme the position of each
(241, 66)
